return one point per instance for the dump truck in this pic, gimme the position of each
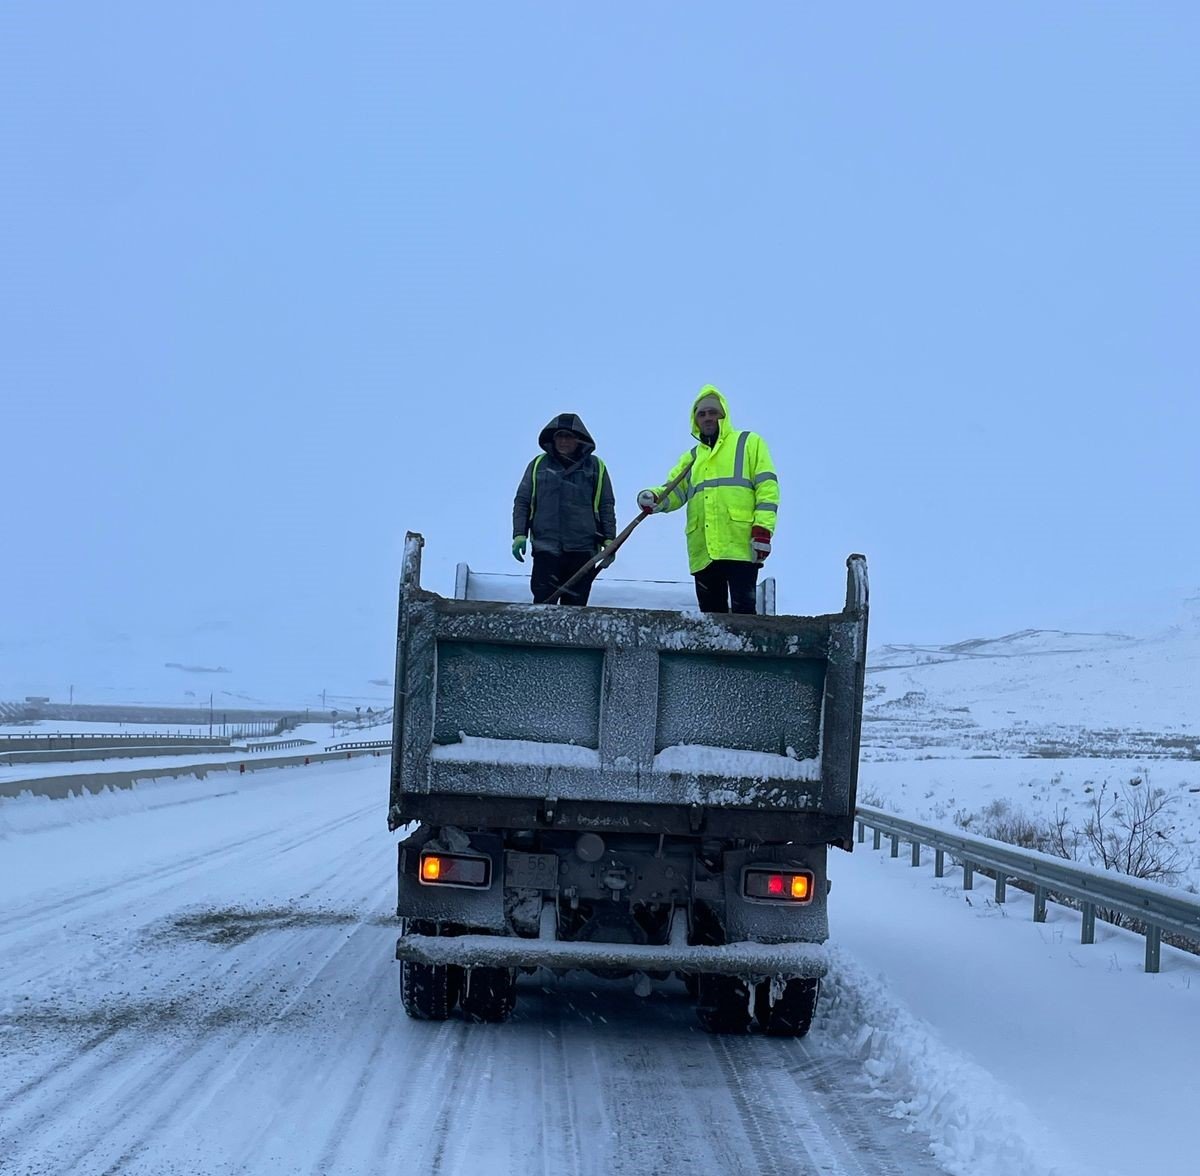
(636, 789)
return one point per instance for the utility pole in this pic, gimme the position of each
(210, 714)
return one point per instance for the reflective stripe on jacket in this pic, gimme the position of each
(565, 506)
(731, 487)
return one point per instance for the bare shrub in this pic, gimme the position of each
(1129, 830)
(1002, 821)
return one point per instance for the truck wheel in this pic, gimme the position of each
(429, 992)
(489, 994)
(792, 1013)
(723, 1003)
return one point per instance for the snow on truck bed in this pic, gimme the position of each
(684, 759)
(606, 592)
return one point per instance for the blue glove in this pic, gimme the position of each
(518, 548)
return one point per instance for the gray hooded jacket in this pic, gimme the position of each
(557, 504)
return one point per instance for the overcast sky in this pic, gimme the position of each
(280, 283)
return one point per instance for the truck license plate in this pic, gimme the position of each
(531, 871)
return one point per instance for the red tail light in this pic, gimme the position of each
(455, 869)
(778, 886)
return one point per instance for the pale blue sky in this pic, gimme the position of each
(279, 283)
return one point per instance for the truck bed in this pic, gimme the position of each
(525, 716)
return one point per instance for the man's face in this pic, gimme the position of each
(565, 443)
(708, 421)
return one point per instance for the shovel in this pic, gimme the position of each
(605, 556)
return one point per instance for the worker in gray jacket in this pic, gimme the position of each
(565, 506)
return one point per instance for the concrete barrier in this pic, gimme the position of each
(109, 751)
(60, 787)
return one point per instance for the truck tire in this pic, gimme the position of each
(429, 992)
(792, 1013)
(489, 994)
(723, 1003)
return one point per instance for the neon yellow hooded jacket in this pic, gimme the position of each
(730, 488)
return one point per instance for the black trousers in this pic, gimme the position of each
(552, 571)
(727, 585)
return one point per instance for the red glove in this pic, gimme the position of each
(760, 543)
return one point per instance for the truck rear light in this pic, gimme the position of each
(778, 886)
(453, 869)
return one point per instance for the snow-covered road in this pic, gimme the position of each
(199, 979)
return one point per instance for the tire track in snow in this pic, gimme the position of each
(779, 1128)
(558, 1124)
(659, 1118)
(86, 908)
(72, 903)
(416, 1071)
(123, 1046)
(150, 1095)
(86, 913)
(456, 1119)
(849, 1114)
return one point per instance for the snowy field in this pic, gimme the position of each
(1039, 724)
(196, 978)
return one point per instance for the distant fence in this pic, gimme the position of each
(279, 744)
(1155, 908)
(36, 741)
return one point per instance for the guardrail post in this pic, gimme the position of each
(862, 832)
(1001, 887)
(1039, 904)
(895, 845)
(1087, 932)
(1153, 948)
(968, 876)
(878, 838)
(916, 853)
(939, 863)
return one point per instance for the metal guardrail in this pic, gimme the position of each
(360, 745)
(1159, 908)
(279, 744)
(68, 740)
(60, 787)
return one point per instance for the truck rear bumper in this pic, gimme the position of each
(734, 959)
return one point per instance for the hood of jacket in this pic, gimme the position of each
(570, 421)
(725, 427)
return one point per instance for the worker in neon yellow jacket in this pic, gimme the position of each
(732, 496)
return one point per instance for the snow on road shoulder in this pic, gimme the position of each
(975, 1126)
(1075, 1041)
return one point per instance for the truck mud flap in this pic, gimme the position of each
(730, 959)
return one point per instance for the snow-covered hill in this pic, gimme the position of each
(1038, 723)
(1040, 692)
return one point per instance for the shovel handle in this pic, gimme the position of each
(612, 548)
